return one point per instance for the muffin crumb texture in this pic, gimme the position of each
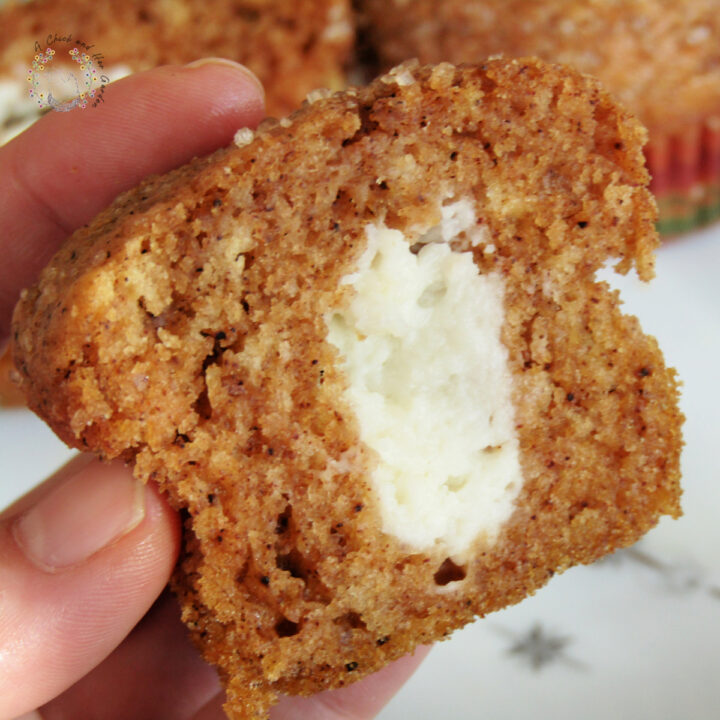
(220, 328)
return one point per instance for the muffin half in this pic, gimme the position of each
(365, 352)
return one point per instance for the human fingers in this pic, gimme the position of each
(68, 166)
(155, 673)
(82, 558)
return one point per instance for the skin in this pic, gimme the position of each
(100, 637)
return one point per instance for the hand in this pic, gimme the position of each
(84, 557)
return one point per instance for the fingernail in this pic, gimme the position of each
(82, 516)
(203, 62)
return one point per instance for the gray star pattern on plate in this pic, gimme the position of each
(540, 648)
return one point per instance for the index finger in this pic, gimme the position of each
(58, 174)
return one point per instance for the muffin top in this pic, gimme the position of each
(661, 58)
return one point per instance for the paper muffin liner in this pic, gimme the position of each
(685, 169)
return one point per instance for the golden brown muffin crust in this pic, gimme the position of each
(183, 330)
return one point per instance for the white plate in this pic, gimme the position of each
(636, 636)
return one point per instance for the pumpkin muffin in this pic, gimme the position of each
(363, 350)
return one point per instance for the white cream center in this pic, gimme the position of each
(430, 384)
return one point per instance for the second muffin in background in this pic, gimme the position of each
(293, 47)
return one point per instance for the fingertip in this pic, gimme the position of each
(82, 516)
(211, 95)
(243, 74)
(68, 608)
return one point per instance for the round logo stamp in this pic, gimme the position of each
(65, 74)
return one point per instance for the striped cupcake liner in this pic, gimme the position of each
(685, 173)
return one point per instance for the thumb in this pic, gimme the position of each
(82, 558)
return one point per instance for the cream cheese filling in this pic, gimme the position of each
(429, 381)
